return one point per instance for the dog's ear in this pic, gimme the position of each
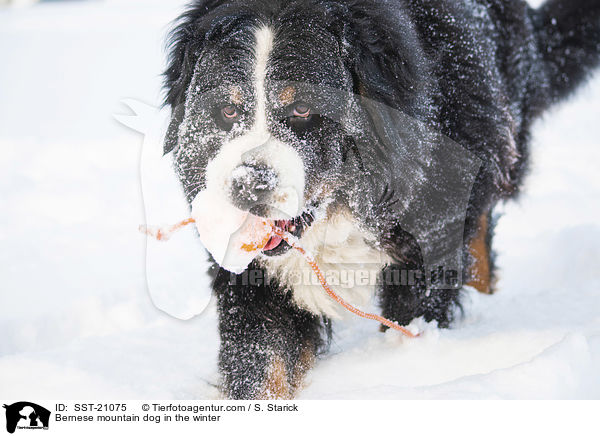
(184, 45)
(391, 83)
(385, 58)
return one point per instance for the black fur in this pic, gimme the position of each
(258, 322)
(477, 71)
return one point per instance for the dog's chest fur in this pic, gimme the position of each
(348, 258)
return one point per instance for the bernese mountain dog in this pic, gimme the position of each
(380, 133)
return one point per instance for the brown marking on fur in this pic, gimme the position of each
(362, 91)
(287, 95)
(480, 271)
(279, 385)
(276, 386)
(304, 364)
(236, 96)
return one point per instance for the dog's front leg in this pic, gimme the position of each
(267, 341)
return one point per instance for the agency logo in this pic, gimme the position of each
(26, 415)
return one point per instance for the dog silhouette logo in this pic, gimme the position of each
(26, 415)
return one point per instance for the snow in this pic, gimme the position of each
(76, 316)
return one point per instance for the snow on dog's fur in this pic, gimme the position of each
(340, 121)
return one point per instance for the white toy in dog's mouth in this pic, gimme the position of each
(234, 238)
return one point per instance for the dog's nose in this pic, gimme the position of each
(252, 185)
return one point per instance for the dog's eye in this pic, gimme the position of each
(226, 116)
(301, 110)
(230, 112)
(301, 118)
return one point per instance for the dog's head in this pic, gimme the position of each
(267, 106)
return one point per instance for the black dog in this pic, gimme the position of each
(381, 133)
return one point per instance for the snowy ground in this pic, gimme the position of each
(75, 314)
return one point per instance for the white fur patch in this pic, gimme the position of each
(348, 258)
(258, 145)
(264, 45)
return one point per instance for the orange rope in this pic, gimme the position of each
(336, 297)
(165, 234)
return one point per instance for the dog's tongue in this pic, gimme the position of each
(273, 243)
(275, 240)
